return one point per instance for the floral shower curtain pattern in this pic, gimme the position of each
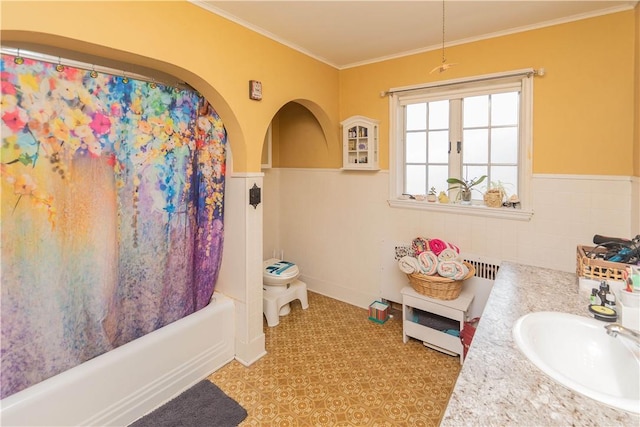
(112, 213)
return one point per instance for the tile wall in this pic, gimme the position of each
(341, 231)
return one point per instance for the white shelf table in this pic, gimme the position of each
(455, 309)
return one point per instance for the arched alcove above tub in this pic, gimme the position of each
(299, 140)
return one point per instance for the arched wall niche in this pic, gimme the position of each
(323, 119)
(303, 136)
(128, 62)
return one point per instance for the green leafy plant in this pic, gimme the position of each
(431, 197)
(499, 185)
(465, 185)
(496, 193)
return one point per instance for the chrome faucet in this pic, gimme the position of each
(614, 329)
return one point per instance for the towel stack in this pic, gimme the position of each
(455, 270)
(428, 262)
(437, 246)
(408, 264)
(434, 256)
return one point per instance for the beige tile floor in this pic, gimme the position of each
(331, 366)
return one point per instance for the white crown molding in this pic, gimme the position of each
(259, 30)
(205, 5)
(246, 175)
(623, 178)
(515, 30)
(308, 169)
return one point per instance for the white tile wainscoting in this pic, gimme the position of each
(338, 227)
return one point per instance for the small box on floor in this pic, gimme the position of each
(379, 311)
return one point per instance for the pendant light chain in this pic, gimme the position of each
(443, 58)
(443, 65)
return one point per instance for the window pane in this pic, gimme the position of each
(416, 180)
(504, 145)
(416, 147)
(504, 109)
(507, 176)
(438, 177)
(416, 116)
(476, 111)
(476, 146)
(439, 146)
(439, 114)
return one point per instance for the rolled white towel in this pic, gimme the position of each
(408, 264)
(448, 254)
(452, 270)
(462, 273)
(428, 262)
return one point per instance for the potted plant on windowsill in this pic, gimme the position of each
(431, 197)
(464, 187)
(495, 195)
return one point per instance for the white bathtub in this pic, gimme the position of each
(118, 387)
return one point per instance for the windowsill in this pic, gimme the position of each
(474, 210)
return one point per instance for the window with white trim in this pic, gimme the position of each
(464, 129)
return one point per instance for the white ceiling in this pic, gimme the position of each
(349, 33)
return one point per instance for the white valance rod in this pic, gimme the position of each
(528, 72)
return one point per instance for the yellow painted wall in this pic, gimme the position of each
(636, 130)
(215, 56)
(301, 142)
(583, 107)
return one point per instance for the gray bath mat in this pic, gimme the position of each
(203, 405)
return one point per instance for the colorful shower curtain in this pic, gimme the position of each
(112, 213)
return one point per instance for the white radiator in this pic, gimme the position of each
(481, 282)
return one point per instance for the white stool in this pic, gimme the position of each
(272, 302)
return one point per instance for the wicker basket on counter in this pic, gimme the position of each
(596, 268)
(437, 286)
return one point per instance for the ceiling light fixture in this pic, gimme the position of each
(443, 66)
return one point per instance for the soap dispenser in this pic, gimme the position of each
(610, 300)
(603, 307)
(598, 296)
(602, 293)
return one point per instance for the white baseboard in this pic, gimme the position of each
(249, 353)
(338, 292)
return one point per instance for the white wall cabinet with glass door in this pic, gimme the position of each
(360, 143)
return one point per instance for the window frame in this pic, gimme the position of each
(447, 89)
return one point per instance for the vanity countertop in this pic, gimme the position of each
(498, 385)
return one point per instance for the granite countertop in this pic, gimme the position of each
(498, 385)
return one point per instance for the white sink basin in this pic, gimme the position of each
(577, 352)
